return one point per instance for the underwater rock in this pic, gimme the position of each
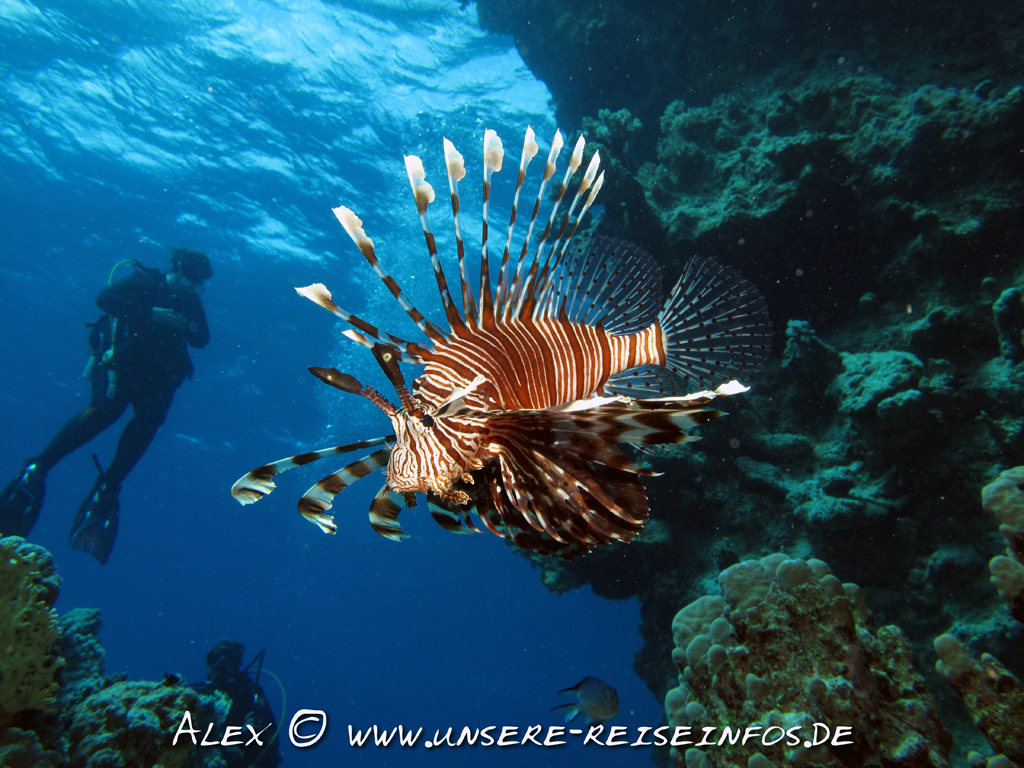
(84, 667)
(1008, 312)
(799, 647)
(832, 514)
(29, 665)
(22, 749)
(870, 377)
(994, 696)
(131, 725)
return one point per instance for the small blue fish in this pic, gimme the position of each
(597, 701)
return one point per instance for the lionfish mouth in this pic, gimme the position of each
(540, 376)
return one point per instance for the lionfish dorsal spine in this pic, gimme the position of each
(424, 195)
(530, 150)
(494, 154)
(547, 309)
(519, 289)
(354, 227)
(367, 335)
(456, 168)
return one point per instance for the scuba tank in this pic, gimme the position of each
(103, 337)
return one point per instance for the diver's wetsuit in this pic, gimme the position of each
(150, 361)
(249, 706)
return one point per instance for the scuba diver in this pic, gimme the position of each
(249, 705)
(139, 358)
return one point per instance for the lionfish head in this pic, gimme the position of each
(434, 445)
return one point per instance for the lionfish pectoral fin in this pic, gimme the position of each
(337, 379)
(384, 511)
(456, 402)
(320, 498)
(256, 484)
(453, 520)
(252, 487)
(715, 325)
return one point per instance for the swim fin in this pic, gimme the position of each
(95, 526)
(22, 500)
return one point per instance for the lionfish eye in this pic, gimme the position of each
(427, 420)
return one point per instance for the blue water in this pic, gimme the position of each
(233, 128)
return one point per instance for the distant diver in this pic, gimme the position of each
(249, 704)
(139, 358)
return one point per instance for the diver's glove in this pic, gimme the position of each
(170, 318)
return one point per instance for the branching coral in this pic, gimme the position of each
(790, 646)
(28, 628)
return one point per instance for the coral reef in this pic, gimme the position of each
(642, 56)
(58, 709)
(29, 667)
(1003, 498)
(130, 724)
(861, 165)
(789, 646)
(994, 696)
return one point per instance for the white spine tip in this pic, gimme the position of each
(530, 148)
(494, 153)
(454, 161)
(731, 388)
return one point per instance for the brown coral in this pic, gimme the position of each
(993, 695)
(791, 646)
(28, 629)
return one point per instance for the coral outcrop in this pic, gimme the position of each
(1003, 498)
(29, 665)
(788, 646)
(130, 725)
(993, 695)
(58, 708)
(862, 166)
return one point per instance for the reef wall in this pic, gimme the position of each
(862, 165)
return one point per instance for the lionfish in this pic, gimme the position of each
(525, 396)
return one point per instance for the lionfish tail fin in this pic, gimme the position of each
(317, 500)
(715, 325)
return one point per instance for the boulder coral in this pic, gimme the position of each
(29, 667)
(131, 725)
(993, 695)
(1004, 500)
(788, 646)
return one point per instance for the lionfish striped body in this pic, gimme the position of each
(523, 400)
